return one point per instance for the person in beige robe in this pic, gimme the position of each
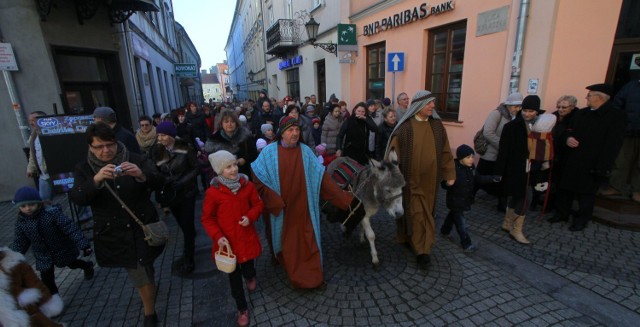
(425, 160)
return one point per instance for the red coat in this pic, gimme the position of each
(221, 212)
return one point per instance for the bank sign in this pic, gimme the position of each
(406, 16)
(185, 70)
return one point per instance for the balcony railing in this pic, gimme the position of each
(283, 36)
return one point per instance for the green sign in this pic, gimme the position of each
(185, 70)
(347, 40)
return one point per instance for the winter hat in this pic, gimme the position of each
(167, 128)
(242, 118)
(260, 144)
(464, 151)
(220, 159)
(287, 99)
(532, 102)
(286, 122)
(26, 195)
(321, 148)
(371, 102)
(604, 88)
(386, 101)
(264, 128)
(514, 99)
(315, 120)
(311, 108)
(105, 113)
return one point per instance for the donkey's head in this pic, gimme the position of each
(388, 184)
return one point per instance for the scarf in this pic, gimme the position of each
(122, 155)
(146, 140)
(232, 184)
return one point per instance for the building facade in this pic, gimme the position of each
(465, 52)
(190, 80)
(72, 58)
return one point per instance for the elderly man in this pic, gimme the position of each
(291, 181)
(108, 116)
(425, 159)
(403, 105)
(594, 138)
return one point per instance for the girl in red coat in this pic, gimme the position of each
(231, 207)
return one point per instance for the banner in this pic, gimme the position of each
(64, 145)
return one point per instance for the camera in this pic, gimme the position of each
(118, 170)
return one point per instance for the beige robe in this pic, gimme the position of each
(423, 184)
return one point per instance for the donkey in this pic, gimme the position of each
(378, 184)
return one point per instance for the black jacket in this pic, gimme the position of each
(512, 159)
(241, 144)
(460, 195)
(600, 133)
(118, 239)
(353, 138)
(382, 137)
(179, 167)
(199, 127)
(127, 138)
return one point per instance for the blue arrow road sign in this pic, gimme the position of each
(395, 61)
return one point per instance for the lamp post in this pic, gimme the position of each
(251, 75)
(312, 32)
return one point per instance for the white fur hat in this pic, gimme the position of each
(221, 159)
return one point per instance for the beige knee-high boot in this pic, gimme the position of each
(509, 217)
(516, 232)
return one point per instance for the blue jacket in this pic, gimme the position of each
(53, 237)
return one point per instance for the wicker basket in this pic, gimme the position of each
(225, 259)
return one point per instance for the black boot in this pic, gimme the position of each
(151, 320)
(88, 270)
(502, 204)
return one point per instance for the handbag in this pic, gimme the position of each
(155, 234)
(480, 143)
(225, 259)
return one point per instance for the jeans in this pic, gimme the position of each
(46, 189)
(457, 218)
(246, 270)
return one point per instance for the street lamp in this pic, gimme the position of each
(251, 75)
(312, 32)
(238, 87)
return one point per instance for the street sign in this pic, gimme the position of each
(7, 59)
(186, 70)
(395, 61)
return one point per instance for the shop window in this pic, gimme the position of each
(375, 70)
(445, 61)
(293, 82)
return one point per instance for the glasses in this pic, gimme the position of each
(102, 147)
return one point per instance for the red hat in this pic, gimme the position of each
(287, 99)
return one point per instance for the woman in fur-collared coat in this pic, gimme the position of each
(24, 299)
(176, 160)
(232, 137)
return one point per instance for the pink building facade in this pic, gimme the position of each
(464, 52)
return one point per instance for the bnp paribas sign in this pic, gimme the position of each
(185, 70)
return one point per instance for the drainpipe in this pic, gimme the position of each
(15, 103)
(516, 64)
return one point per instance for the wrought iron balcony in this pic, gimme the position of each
(283, 36)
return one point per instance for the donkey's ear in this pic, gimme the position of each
(376, 163)
(393, 156)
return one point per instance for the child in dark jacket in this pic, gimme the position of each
(53, 237)
(230, 209)
(460, 195)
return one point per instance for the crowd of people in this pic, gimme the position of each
(266, 159)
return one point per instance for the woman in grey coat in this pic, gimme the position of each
(492, 130)
(331, 128)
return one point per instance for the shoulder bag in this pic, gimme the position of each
(155, 234)
(480, 142)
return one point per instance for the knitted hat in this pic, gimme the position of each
(464, 151)
(260, 144)
(514, 99)
(221, 159)
(311, 108)
(315, 120)
(532, 102)
(321, 148)
(105, 113)
(371, 102)
(167, 128)
(264, 128)
(286, 122)
(26, 195)
(386, 101)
